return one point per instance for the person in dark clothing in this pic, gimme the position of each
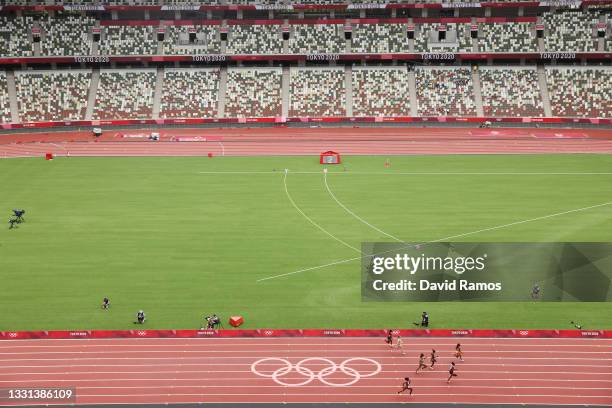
(433, 358)
(406, 386)
(19, 215)
(389, 339)
(451, 372)
(424, 320)
(141, 317)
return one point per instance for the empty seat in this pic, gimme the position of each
(507, 37)
(5, 106)
(381, 92)
(253, 92)
(14, 40)
(317, 92)
(190, 93)
(317, 39)
(52, 95)
(128, 40)
(254, 39)
(570, 31)
(66, 35)
(580, 91)
(125, 94)
(374, 38)
(445, 92)
(511, 92)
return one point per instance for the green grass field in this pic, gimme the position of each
(156, 234)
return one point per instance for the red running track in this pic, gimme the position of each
(495, 370)
(309, 141)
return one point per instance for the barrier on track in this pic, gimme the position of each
(144, 333)
(282, 120)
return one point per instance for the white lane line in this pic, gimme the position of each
(286, 340)
(350, 394)
(297, 349)
(229, 401)
(310, 219)
(231, 368)
(298, 356)
(420, 386)
(497, 227)
(381, 377)
(183, 364)
(352, 346)
(355, 215)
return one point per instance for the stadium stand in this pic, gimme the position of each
(317, 39)
(125, 94)
(421, 36)
(14, 36)
(507, 37)
(128, 40)
(44, 96)
(5, 106)
(109, 2)
(380, 92)
(222, 2)
(510, 92)
(457, 38)
(570, 31)
(253, 92)
(254, 39)
(177, 41)
(190, 93)
(66, 35)
(69, 34)
(580, 91)
(379, 38)
(191, 2)
(317, 92)
(445, 91)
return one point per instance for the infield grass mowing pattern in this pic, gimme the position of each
(155, 234)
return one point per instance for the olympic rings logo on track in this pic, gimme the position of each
(310, 375)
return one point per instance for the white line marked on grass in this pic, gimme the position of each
(480, 173)
(239, 172)
(365, 173)
(355, 215)
(497, 227)
(311, 220)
